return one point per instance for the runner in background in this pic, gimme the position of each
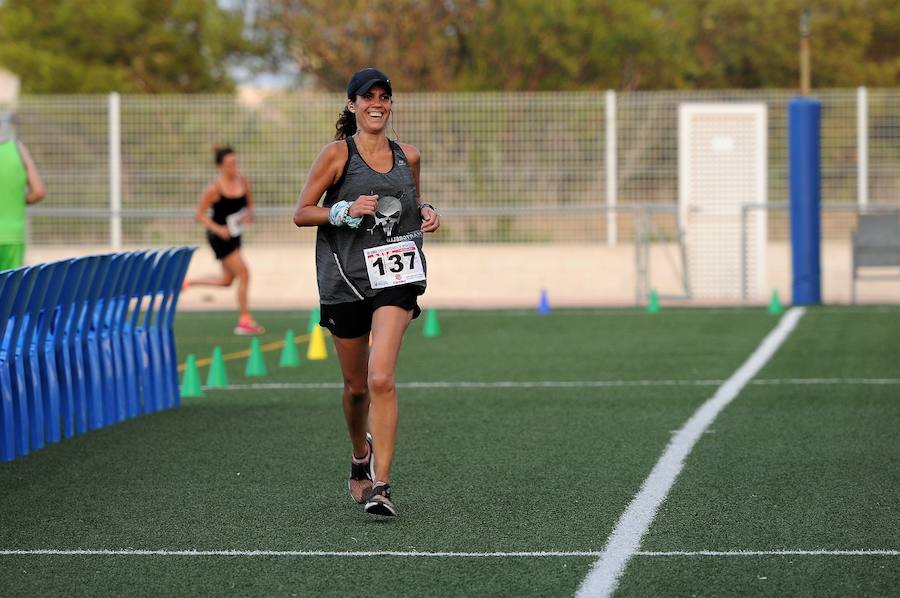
(20, 184)
(225, 209)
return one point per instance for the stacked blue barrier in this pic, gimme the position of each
(86, 343)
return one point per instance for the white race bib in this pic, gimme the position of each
(235, 222)
(394, 264)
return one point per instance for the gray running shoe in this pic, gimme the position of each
(379, 501)
(362, 475)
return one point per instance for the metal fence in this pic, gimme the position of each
(521, 167)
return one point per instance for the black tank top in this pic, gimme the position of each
(340, 266)
(226, 206)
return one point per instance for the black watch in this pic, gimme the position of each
(426, 205)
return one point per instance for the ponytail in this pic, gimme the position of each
(345, 125)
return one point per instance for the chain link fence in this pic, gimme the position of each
(524, 167)
(591, 168)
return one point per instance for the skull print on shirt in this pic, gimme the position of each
(387, 215)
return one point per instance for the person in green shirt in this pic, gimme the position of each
(20, 184)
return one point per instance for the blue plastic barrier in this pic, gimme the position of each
(44, 354)
(87, 343)
(10, 281)
(13, 353)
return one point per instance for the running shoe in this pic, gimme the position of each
(250, 328)
(362, 474)
(379, 501)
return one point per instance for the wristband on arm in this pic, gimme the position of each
(339, 215)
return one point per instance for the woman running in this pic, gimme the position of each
(370, 270)
(231, 202)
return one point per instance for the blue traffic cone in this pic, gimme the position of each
(543, 303)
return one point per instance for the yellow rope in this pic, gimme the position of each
(246, 352)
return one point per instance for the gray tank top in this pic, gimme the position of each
(340, 263)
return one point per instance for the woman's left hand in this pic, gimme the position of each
(431, 220)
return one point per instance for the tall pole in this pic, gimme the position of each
(612, 231)
(862, 145)
(804, 142)
(115, 173)
(804, 53)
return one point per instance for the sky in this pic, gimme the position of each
(286, 77)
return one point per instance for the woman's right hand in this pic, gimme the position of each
(364, 205)
(221, 231)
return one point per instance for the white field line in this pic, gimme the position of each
(426, 554)
(719, 553)
(564, 383)
(786, 381)
(625, 539)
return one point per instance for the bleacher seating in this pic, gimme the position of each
(86, 343)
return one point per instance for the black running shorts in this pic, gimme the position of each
(354, 318)
(221, 247)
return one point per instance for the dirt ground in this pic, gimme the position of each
(484, 276)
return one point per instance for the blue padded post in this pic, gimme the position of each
(805, 174)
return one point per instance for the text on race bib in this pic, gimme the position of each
(394, 264)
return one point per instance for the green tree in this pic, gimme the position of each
(418, 42)
(742, 44)
(592, 44)
(138, 46)
(480, 44)
(571, 44)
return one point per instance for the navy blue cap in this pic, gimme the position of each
(363, 81)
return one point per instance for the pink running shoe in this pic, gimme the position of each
(250, 328)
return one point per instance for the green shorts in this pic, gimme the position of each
(11, 256)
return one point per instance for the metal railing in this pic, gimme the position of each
(509, 167)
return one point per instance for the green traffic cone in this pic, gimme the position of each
(314, 316)
(256, 365)
(190, 383)
(432, 326)
(653, 305)
(290, 357)
(217, 376)
(775, 307)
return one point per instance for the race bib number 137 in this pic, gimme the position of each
(394, 264)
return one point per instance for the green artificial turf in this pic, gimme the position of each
(794, 467)
(476, 469)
